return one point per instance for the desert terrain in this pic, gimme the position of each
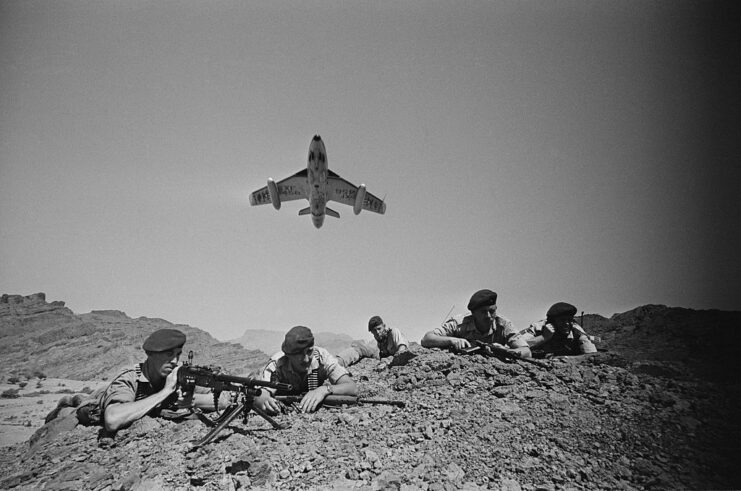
(22, 415)
(656, 409)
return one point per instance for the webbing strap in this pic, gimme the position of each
(313, 379)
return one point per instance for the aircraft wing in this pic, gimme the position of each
(342, 191)
(289, 189)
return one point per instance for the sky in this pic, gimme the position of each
(585, 152)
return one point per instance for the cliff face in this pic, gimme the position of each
(48, 338)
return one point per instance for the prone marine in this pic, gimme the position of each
(483, 325)
(149, 388)
(309, 369)
(558, 334)
(389, 341)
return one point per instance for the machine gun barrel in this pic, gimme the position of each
(190, 375)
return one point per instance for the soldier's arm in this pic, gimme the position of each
(520, 348)
(265, 400)
(536, 336)
(118, 415)
(445, 337)
(433, 340)
(345, 386)
(399, 341)
(585, 344)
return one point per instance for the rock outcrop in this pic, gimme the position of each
(41, 337)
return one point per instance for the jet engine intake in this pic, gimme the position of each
(274, 195)
(359, 199)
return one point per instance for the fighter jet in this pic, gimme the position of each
(317, 184)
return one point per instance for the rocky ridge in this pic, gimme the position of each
(41, 337)
(469, 423)
(613, 420)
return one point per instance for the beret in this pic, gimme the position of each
(482, 298)
(297, 339)
(374, 321)
(163, 340)
(561, 309)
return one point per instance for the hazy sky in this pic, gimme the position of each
(551, 151)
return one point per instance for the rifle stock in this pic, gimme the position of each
(338, 400)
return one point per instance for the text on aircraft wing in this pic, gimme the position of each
(290, 188)
(342, 191)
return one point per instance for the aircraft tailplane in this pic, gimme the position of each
(331, 212)
(305, 211)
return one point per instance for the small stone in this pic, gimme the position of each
(453, 472)
(371, 455)
(507, 484)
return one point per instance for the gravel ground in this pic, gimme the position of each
(470, 422)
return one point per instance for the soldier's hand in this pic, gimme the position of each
(266, 403)
(312, 399)
(171, 382)
(459, 343)
(185, 400)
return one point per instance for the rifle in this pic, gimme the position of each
(243, 389)
(336, 400)
(491, 350)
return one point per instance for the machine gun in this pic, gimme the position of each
(492, 350)
(337, 400)
(243, 389)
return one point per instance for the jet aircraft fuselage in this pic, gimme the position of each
(317, 176)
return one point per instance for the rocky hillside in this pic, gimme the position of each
(269, 341)
(41, 337)
(469, 423)
(706, 341)
(613, 420)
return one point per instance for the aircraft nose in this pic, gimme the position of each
(317, 138)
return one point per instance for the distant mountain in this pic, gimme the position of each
(269, 341)
(48, 337)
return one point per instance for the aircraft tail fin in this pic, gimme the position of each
(331, 212)
(305, 211)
